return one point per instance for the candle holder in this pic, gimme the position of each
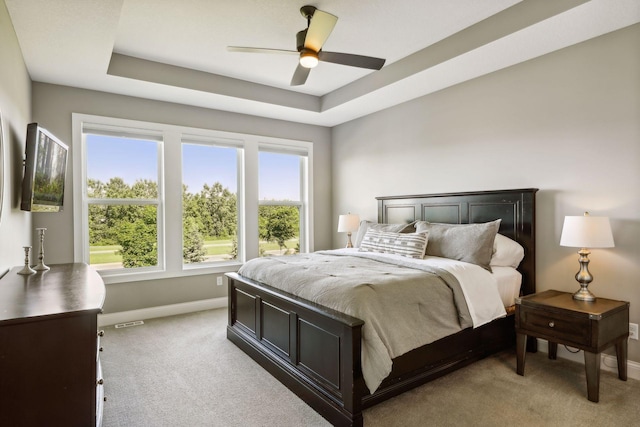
(27, 268)
(41, 265)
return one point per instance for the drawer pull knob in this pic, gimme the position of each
(100, 381)
(101, 333)
(551, 324)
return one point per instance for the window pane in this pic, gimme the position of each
(279, 176)
(121, 168)
(123, 236)
(209, 199)
(279, 228)
(279, 223)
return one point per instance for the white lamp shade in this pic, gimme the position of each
(586, 232)
(348, 223)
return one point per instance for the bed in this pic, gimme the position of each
(316, 351)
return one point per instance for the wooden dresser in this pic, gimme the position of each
(50, 347)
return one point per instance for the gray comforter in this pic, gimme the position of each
(403, 307)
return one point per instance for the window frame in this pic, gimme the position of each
(220, 143)
(303, 202)
(170, 181)
(108, 128)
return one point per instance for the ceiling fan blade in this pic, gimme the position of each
(351, 60)
(320, 28)
(259, 50)
(300, 76)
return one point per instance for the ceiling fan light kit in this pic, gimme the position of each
(309, 44)
(308, 58)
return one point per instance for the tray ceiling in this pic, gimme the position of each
(176, 51)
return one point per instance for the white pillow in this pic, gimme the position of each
(396, 228)
(412, 245)
(506, 252)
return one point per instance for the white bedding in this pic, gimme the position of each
(509, 281)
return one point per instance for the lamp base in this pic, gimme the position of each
(584, 295)
(584, 278)
(349, 244)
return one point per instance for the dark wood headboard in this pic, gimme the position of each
(516, 208)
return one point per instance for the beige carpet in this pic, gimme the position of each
(182, 371)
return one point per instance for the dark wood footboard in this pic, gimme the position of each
(314, 351)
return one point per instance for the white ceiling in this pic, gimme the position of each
(175, 51)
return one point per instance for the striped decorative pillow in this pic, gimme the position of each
(411, 245)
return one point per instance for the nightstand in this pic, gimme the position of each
(590, 326)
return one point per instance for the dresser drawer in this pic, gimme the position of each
(555, 326)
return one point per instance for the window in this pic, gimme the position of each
(280, 202)
(123, 200)
(209, 202)
(154, 200)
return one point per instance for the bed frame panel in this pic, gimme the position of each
(315, 351)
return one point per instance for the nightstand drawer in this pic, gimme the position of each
(555, 325)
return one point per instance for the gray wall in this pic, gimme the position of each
(15, 107)
(53, 106)
(567, 123)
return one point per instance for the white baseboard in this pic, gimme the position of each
(161, 311)
(608, 362)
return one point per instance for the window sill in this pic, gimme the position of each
(123, 277)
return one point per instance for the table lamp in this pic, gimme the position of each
(586, 232)
(348, 223)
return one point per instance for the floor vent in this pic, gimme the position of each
(127, 324)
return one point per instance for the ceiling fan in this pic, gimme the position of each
(309, 47)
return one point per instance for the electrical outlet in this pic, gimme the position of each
(219, 283)
(633, 331)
